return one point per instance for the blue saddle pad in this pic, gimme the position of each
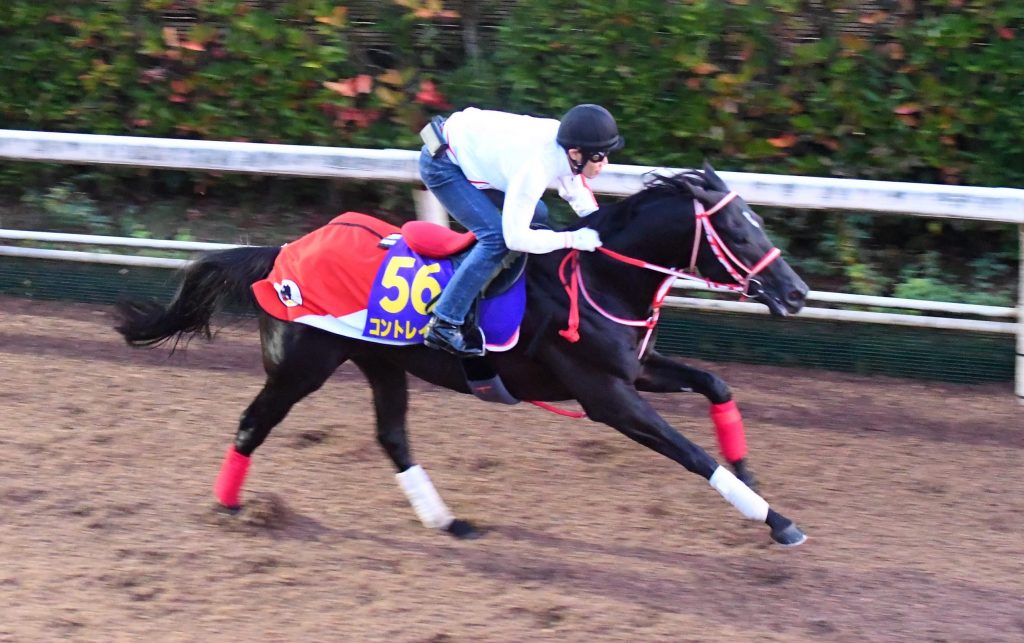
(405, 288)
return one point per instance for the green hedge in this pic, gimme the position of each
(928, 91)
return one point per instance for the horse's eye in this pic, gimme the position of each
(737, 230)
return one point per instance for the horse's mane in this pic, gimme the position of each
(613, 217)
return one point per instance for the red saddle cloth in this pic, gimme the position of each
(327, 272)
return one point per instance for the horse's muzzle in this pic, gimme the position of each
(788, 302)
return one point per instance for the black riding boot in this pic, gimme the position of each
(463, 341)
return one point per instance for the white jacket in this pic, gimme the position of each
(517, 155)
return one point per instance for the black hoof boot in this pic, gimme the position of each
(791, 536)
(784, 531)
(462, 341)
(227, 511)
(463, 530)
(745, 475)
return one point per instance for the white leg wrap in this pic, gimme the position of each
(423, 497)
(740, 495)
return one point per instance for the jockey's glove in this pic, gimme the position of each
(585, 239)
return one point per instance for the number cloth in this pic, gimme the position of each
(337, 278)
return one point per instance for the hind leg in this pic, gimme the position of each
(663, 375)
(298, 360)
(390, 402)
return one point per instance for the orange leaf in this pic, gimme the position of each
(429, 95)
(786, 140)
(193, 45)
(180, 87)
(171, 37)
(895, 51)
(1005, 33)
(704, 69)
(853, 43)
(907, 108)
(873, 18)
(345, 87)
(336, 19)
(363, 83)
(391, 77)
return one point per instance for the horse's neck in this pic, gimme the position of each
(645, 240)
(625, 289)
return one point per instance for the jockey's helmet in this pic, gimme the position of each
(590, 129)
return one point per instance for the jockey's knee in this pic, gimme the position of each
(494, 242)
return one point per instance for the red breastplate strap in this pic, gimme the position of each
(571, 275)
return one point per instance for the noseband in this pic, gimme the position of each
(725, 256)
(573, 283)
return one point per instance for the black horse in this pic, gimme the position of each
(584, 337)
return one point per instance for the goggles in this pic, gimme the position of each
(597, 157)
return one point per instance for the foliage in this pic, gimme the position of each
(68, 209)
(923, 91)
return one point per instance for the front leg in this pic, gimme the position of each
(663, 375)
(616, 403)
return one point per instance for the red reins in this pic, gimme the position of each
(574, 284)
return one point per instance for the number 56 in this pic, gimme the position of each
(423, 289)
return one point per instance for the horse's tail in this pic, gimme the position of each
(207, 283)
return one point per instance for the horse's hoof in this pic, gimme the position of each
(229, 511)
(789, 536)
(463, 530)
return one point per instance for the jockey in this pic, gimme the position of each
(489, 169)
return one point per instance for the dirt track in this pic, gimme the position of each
(909, 491)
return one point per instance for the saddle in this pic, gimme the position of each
(438, 242)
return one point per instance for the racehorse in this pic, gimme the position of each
(585, 336)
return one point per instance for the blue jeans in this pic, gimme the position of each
(479, 211)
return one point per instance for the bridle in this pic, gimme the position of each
(743, 275)
(729, 261)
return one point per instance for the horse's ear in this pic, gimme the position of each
(699, 193)
(714, 181)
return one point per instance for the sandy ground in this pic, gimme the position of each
(909, 491)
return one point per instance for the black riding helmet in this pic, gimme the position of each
(590, 129)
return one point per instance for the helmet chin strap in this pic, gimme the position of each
(577, 166)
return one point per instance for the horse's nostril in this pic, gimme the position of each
(797, 295)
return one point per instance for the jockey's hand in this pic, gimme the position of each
(585, 239)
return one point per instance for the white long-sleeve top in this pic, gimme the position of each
(519, 156)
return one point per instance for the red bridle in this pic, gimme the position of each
(574, 284)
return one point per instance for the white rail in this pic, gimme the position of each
(1004, 205)
(950, 201)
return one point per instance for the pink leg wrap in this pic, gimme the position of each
(228, 487)
(729, 428)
